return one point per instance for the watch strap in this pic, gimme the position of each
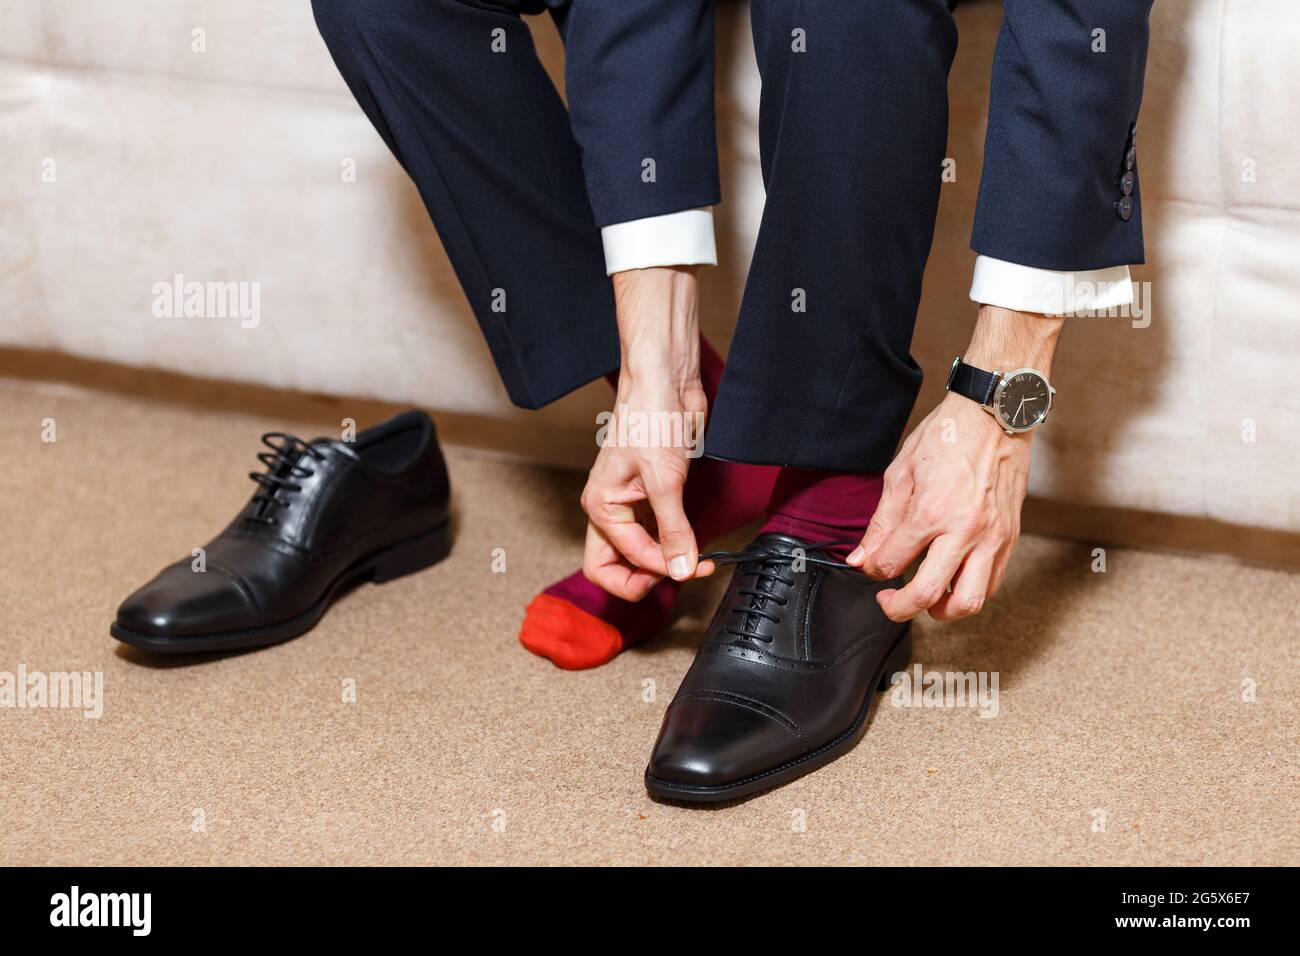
(976, 384)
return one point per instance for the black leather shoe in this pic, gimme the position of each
(326, 514)
(785, 679)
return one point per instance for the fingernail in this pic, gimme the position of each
(680, 567)
(856, 555)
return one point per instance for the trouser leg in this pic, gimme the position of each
(458, 94)
(853, 129)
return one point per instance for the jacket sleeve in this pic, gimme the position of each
(639, 81)
(1059, 188)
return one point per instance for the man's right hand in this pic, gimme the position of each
(638, 532)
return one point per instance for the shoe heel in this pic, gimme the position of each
(899, 658)
(413, 555)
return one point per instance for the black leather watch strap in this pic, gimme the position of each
(976, 384)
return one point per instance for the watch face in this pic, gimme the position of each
(1022, 400)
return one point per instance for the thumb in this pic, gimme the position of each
(889, 514)
(676, 537)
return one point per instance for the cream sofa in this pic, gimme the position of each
(210, 139)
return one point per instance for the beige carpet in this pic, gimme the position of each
(1122, 734)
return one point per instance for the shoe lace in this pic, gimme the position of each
(764, 565)
(282, 467)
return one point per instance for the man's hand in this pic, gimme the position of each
(633, 495)
(637, 530)
(957, 485)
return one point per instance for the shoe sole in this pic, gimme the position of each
(398, 560)
(898, 658)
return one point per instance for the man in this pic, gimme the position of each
(538, 207)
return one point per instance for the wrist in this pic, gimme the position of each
(1005, 339)
(659, 331)
(660, 394)
(667, 377)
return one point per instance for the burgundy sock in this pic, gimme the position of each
(820, 506)
(575, 624)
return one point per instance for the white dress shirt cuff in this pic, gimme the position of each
(1026, 289)
(676, 239)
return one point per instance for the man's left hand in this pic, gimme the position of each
(957, 485)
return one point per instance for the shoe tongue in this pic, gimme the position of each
(772, 541)
(787, 544)
(775, 541)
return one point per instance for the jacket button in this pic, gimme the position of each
(1131, 157)
(1125, 208)
(1126, 183)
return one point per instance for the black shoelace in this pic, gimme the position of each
(281, 469)
(764, 565)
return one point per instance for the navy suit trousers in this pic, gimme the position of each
(852, 130)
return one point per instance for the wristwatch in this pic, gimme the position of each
(1019, 400)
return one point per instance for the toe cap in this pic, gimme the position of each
(181, 602)
(717, 739)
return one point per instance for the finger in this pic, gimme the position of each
(971, 587)
(900, 548)
(931, 581)
(636, 544)
(622, 581)
(619, 525)
(604, 566)
(1000, 563)
(1016, 485)
(676, 538)
(705, 568)
(889, 514)
(630, 584)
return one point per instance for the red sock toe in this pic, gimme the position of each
(576, 625)
(568, 636)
